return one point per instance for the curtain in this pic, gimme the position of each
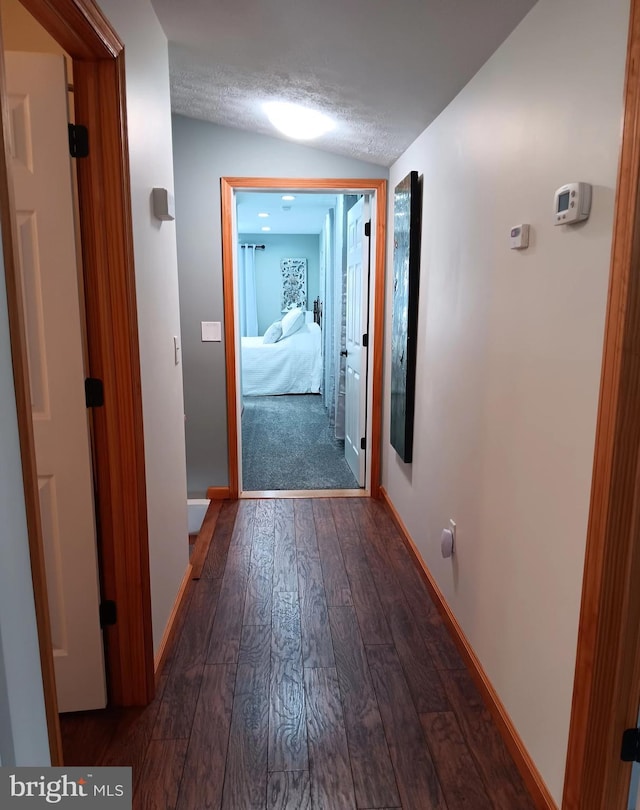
(247, 292)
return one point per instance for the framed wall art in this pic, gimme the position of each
(407, 216)
(294, 283)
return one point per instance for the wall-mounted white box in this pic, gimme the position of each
(211, 331)
(164, 207)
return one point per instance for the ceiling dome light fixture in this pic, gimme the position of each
(288, 197)
(266, 228)
(263, 215)
(297, 121)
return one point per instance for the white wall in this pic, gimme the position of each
(23, 725)
(509, 351)
(151, 160)
(204, 153)
(269, 275)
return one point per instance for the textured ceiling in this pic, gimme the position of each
(383, 69)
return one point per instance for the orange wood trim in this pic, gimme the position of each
(109, 280)
(341, 185)
(114, 357)
(219, 493)
(304, 493)
(172, 623)
(526, 766)
(607, 679)
(15, 308)
(203, 541)
(226, 190)
(378, 338)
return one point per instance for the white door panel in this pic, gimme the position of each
(356, 326)
(41, 174)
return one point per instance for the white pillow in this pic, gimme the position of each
(291, 322)
(273, 333)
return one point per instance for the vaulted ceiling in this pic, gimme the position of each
(382, 69)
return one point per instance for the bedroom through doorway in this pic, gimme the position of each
(301, 279)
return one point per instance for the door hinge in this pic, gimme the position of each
(363, 443)
(367, 228)
(93, 392)
(108, 613)
(78, 141)
(365, 341)
(630, 751)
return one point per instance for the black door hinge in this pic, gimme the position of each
(108, 613)
(93, 392)
(363, 443)
(78, 141)
(630, 751)
(365, 341)
(367, 228)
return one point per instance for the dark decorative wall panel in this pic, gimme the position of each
(407, 210)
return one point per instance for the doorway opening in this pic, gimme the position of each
(296, 275)
(606, 692)
(303, 286)
(40, 91)
(104, 207)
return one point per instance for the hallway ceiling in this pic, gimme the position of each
(383, 69)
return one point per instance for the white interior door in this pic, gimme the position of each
(41, 170)
(356, 326)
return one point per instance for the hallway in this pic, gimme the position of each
(312, 670)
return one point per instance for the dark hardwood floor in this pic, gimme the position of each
(311, 672)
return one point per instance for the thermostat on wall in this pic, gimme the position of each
(572, 203)
(519, 237)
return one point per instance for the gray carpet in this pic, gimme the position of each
(287, 444)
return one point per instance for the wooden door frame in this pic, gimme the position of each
(607, 678)
(112, 334)
(377, 187)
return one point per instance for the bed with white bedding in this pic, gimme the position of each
(293, 365)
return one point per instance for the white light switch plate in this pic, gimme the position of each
(211, 331)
